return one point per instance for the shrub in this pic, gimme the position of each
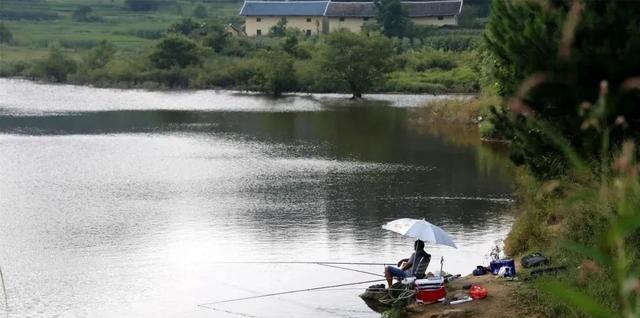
(83, 14)
(279, 29)
(56, 66)
(200, 12)
(100, 55)
(5, 34)
(27, 15)
(175, 51)
(184, 26)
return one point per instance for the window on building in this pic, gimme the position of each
(258, 32)
(308, 19)
(258, 19)
(365, 19)
(341, 19)
(308, 32)
(440, 18)
(284, 20)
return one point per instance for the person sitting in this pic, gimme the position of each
(414, 266)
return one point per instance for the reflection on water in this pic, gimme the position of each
(126, 203)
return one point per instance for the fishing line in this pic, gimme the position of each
(232, 312)
(287, 292)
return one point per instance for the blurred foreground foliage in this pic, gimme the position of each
(569, 75)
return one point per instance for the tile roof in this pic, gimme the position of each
(427, 8)
(433, 8)
(351, 9)
(284, 8)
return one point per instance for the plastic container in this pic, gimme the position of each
(495, 266)
(430, 289)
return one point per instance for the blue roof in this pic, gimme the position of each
(284, 8)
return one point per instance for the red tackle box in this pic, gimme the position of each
(430, 289)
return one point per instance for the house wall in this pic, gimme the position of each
(321, 24)
(351, 24)
(266, 23)
(446, 20)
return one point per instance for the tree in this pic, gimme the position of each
(56, 66)
(392, 17)
(184, 26)
(175, 51)
(357, 61)
(562, 53)
(216, 37)
(290, 44)
(275, 73)
(142, 5)
(100, 55)
(200, 12)
(5, 34)
(279, 29)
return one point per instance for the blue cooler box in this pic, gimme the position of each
(495, 266)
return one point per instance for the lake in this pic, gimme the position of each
(132, 203)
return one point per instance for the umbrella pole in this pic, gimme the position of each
(441, 263)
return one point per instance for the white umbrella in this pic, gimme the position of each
(420, 229)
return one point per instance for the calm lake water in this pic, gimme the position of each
(125, 203)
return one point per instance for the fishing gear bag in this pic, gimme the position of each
(479, 271)
(534, 260)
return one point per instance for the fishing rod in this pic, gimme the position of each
(351, 269)
(302, 262)
(208, 305)
(4, 291)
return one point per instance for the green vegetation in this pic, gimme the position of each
(5, 34)
(570, 92)
(84, 14)
(175, 52)
(142, 5)
(393, 18)
(356, 61)
(56, 67)
(561, 63)
(139, 44)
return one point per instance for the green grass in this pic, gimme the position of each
(119, 25)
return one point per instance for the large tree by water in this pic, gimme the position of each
(355, 60)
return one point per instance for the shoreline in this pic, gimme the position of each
(161, 88)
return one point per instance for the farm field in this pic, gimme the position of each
(37, 24)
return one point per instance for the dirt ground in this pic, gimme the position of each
(500, 301)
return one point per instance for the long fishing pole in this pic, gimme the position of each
(351, 269)
(207, 305)
(4, 292)
(301, 262)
